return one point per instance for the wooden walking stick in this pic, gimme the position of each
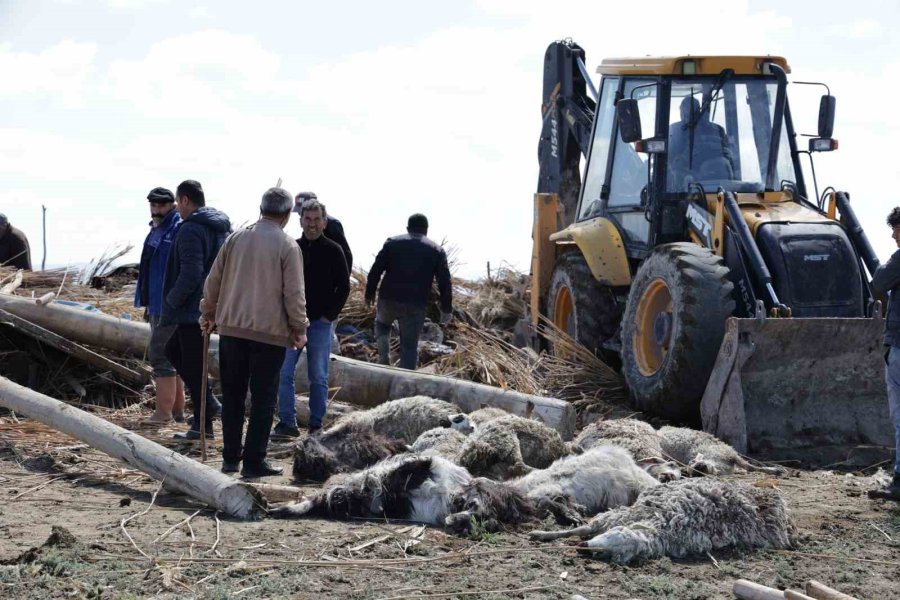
(205, 384)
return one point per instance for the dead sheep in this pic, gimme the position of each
(690, 517)
(637, 437)
(442, 441)
(601, 478)
(404, 419)
(703, 453)
(511, 446)
(360, 439)
(425, 489)
(350, 448)
(431, 489)
(468, 423)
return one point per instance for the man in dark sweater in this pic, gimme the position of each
(334, 230)
(886, 286)
(327, 283)
(14, 250)
(409, 263)
(202, 231)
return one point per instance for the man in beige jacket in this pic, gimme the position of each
(254, 296)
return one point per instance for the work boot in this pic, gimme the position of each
(213, 409)
(194, 434)
(231, 466)
(260, 469)
(313, 429)
(889, 492)
(285, 430)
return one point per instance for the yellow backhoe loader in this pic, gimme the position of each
(691, 254)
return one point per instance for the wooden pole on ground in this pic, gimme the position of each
(749, 590)
(820, 591)
(179, 473)
(69, 347)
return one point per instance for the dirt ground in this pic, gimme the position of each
(62, 536)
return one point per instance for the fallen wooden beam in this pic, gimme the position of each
(177, 472)
(358, 383)
(45, 299)
(9, 288)
(749, 590)
(795, 595)
(69, 347)
(820, 591)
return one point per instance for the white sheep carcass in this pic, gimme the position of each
(637, 437)
(360, 439)
(702, 452)
(511, 446)
(687, 518)
(442, 441)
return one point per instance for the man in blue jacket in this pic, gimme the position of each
(202, 232)
(409, 263)
(886, 282)
(148, 293)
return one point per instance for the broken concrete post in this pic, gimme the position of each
(177, 472)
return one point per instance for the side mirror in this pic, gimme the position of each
(629, 118)
(826, 116)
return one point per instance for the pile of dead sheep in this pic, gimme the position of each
(619, 485)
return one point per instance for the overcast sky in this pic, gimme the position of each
(382, 108)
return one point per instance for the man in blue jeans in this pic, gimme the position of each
(327, 284)
(886, 282)
(409, 263)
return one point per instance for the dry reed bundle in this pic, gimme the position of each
(483, 357)
(576, 374)
(497, 301)
(355, 311)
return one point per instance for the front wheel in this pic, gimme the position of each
(673, 326)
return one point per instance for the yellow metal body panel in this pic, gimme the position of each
(602, 247)
(547, 220)
(703, 65)
(771, 207)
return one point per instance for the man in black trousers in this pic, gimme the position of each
(202, 231)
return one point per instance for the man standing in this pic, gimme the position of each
(200, 235)
(14, 250)
(148, 293)
(255, 328)
(327, 285)
(334, 230)
(409, 263)
(886, 281)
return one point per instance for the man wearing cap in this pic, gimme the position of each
(202, 232)
(255, 327)
(148, 294)
(409, 264)
(14, 249)
(327, 284)
(334, 230)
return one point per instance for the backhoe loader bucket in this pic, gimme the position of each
(810, 390)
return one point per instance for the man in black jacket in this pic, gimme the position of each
(202, 231)
(886, 283)
(409, 263)
(334, 230)
(14, 250)
(327, 283)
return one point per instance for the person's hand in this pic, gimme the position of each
(207, 325)
(446, 317)
(298, 340)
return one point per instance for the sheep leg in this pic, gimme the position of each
(547, 536)
(620, 545)
(562, 509)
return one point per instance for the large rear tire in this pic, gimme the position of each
(582, 307)
(672, 329)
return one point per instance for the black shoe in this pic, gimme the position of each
(260, 469)
(213, 410)
(231, 466)
(286, 430)
(313, 429)
(193, 434)
(889, 492)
